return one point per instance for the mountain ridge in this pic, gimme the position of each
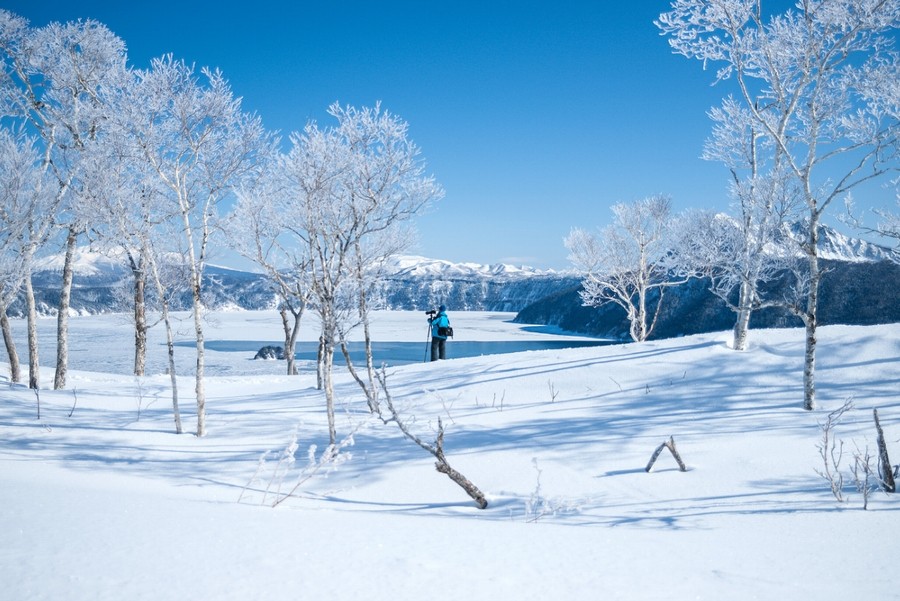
(857, 289)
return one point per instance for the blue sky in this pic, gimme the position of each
(534, 116)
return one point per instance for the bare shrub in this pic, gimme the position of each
(831, 450)
(273, 478)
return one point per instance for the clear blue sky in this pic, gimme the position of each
(534, 116)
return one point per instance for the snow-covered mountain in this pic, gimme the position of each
(102, 284)
(835, 246)
(416, 266)
(421, 283)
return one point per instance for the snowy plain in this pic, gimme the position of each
(100, 499)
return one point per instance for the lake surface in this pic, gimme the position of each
(402, 353)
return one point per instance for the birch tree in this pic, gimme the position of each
(260, 234)
(820, 82)
(199, 145)
(350, 187)
(26, 209)
(56, 80)
(628, 261)
(314, 167)
(385, 186)
(131, 221)
(739, 254)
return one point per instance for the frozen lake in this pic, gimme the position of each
(105, 343)
(403, 353)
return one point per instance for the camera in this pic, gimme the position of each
(431, 313)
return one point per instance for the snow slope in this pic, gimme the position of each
(109, 503)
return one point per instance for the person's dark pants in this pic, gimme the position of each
(438, 348)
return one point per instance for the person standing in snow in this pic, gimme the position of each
(440, 331)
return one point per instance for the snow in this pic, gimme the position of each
(109, 503)
(86, 262)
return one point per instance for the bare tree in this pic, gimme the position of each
(199, 145)
(819, 81)
(436, 448)
(26, 209)
(628, 261)
(131, 221)
(258, 224)
(739, 254)
(56, 80)
(386, 186)
(349, 188)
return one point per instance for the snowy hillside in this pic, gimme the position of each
(101, 501)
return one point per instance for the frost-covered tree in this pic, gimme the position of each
(314, 167)
(26, 209)
(131, 221)
(384, 186)
(198, 145)
(348, 190)
(55, 82)
(628, 262)
(741, 253)
(261, 232)
(820, 83)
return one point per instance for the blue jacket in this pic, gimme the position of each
(440, 321)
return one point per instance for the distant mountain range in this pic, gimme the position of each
(420, 283)
(860, 286)
(103, 285)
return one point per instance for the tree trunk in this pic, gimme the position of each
(140, 318)
(810, 321)
(195, 263)
(371, 390)
(639, 328)
(15, 370)
(290, 338)
(320, 364)
(170, 347)
(669, 444)
(170, 342)
(466, 484)
(742, 323)
(34, 369)
(201, 361)
(371, 400)
(62, 318)
(328, 363)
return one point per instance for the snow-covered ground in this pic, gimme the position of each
(99, 499)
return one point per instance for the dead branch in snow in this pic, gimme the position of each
(884, 462)
(436, 448)
(669, 444)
